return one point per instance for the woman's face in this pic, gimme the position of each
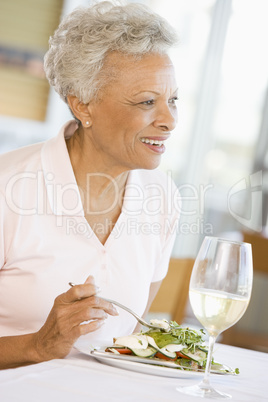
(136, 112)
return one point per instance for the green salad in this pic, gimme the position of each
(171, 342)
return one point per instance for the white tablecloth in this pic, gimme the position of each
(80, 378)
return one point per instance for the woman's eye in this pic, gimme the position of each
(173, 100)
(148, 102)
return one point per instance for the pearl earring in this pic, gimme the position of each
(87, 122)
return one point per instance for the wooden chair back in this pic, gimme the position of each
(172, 297)
(259, 245)
(237, 335)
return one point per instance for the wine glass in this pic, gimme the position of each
(220, 289)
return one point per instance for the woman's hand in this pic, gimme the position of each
(62, 327)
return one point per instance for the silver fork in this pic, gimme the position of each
(138, 318)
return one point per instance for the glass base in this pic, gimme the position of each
(203, 392)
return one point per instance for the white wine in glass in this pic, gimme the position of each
(220, 289)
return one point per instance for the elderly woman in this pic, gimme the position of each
(89, 206)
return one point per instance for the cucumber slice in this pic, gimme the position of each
(149, 352)
(165, 350)
(203, 349)
(173, 347)
(132, 341)
(113, 350)
(167, 353)
(151, 342)
(199, 356)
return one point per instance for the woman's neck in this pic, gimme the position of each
(93, 176)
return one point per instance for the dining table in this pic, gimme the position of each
(82, 377)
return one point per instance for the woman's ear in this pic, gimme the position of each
(80, 110)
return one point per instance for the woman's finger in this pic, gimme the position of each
(91, 308)
(98, 302)
(79, 292)
(86, 314)
(89, 327)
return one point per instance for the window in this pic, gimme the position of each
(24, 31)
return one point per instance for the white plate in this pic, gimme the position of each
(145, 368)
(133, 363)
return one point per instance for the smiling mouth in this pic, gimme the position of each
(152, 142)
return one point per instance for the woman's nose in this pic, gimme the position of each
(166, 118)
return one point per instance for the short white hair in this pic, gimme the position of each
(87, 35)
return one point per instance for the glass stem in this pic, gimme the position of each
(205, 380)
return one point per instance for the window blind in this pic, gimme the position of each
(25, 28)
